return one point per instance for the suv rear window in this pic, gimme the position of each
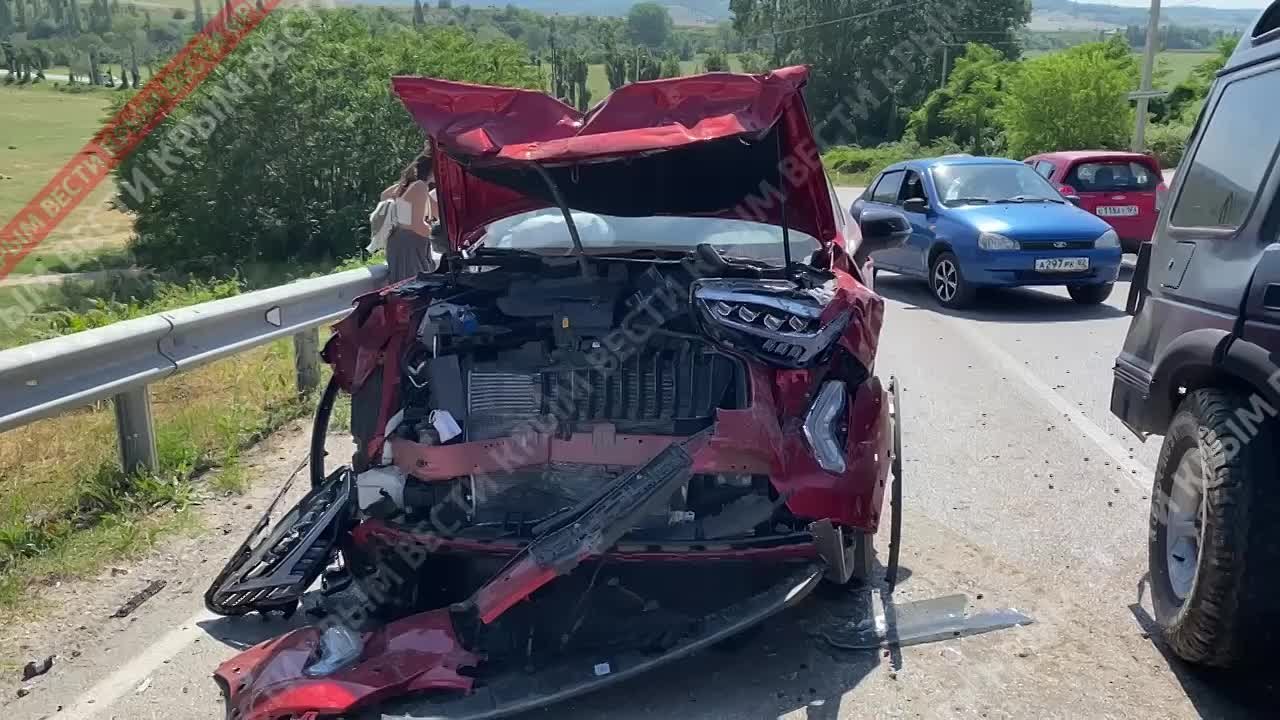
(1233, 157)
(1113, 176)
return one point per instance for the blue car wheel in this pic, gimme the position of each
(1090, 294)
(947, 282)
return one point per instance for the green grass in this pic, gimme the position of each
(43, 129)
(1179, 64)
(65, 507)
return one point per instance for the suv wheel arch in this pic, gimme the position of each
(1189, 362)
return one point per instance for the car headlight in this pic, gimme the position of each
(773, 319)
(822, 426)
(338, 647)
(996, 241)
(1108, 239)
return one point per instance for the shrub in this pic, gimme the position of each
(860, 164)
(1168, 143)
(298, 159)
(1070, 100)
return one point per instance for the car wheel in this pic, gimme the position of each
(947, 282)
(1090, 294)
(1213, 543)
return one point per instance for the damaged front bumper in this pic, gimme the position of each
(422, 656)
(332, 670)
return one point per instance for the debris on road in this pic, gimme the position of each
(920, 622)
(36, 668)
(136, 601)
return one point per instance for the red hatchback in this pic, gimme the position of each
(1123, 188)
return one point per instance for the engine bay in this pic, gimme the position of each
(512, 345)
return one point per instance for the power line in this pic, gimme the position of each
(847, 18)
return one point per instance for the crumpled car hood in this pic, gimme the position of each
(719, 144)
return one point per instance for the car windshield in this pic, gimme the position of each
(544, 232)
(994, 183)
(1112, 176)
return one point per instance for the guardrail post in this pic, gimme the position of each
(306, 359)
(133, 427)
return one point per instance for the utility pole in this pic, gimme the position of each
(1148, 67)
(946, 52)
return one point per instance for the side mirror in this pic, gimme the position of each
(881, 230)
(916, 205)
(1073, 199)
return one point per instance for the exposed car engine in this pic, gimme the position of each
(515, 345)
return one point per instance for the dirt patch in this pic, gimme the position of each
(72, 619)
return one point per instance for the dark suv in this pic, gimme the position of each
(1201, 365)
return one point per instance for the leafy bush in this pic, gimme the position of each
(1168, 143)
(304, 146)
(860, 164)
(1071, 100)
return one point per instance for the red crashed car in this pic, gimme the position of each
(634, 413)
(1123, 188)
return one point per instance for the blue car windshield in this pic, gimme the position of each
(994, 183)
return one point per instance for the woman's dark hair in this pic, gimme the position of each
(422, 168)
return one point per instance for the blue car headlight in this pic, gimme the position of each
(1107, 240)
(996, 241)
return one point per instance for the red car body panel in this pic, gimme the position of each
(1133, 230)
(415, 654)
(476, 126)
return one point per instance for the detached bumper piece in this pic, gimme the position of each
(421, 655)
(272, 571)
(518, 692)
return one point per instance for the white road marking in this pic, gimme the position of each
(1136, 475)
(125, 680)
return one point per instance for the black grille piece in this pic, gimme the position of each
(688, 382)
(1056, 245)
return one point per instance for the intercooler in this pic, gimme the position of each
(665, 391)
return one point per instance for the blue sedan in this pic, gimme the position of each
(990, 222)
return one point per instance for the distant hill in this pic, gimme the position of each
(1066, 15)
(1046, 14)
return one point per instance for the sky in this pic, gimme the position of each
(1256, 4)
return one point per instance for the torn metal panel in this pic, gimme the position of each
(923, 621)
(593, 532)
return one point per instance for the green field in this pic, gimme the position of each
(1179, 64)
(1176, 64)
(43, 129)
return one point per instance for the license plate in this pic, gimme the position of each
(1117, 210)
(1062, 264)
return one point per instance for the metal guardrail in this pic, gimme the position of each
(121, 360)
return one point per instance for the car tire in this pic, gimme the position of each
(1214, 545)
(1090, 294)
(947, 283)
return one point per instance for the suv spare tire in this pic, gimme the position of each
(1214, 543)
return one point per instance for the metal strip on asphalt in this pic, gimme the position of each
(1137, 475)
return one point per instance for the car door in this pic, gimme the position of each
(1208, 245)
(916, 250)
(884, 193)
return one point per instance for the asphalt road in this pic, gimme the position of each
(1021, 491)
